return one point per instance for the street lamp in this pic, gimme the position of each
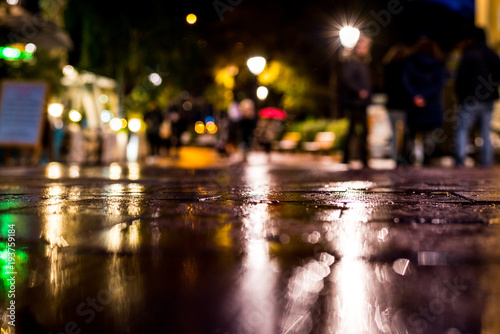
(349, 36)
(256, 65)
(262, 92)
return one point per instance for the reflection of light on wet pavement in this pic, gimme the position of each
(258, 278)
(351, 300)
(304, 288)
(54, 191)
(114, 237)
(134, 207)
(133, 236)
(123, 292)
(52, 232)
(351, 274)
(123, 236)
(114, 202)
(54, 218)
(257, 178)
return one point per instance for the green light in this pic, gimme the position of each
(7, 268)
(10, 53)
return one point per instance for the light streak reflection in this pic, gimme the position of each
(259, 274)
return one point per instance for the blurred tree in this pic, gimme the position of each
(129, 43)
(32, 22)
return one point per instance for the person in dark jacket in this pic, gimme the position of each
(355, 89)
(153, 118)
(476, 88)
(423, 78)
(397, 97)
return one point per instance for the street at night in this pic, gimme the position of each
(250, 167)
(294, 245)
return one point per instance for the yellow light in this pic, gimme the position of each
(134, 124)
(75, 116)
(211, 127)
(115, 124)
(124, 123)
(103, 98)
(54, 170)
(199, 127)
(55, 109)
(191, 19)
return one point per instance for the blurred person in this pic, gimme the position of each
(476, 88)
(355, 90)
(153, 119)
(423, 78)
(247, 125)
(234, 118)
(223, 129)
(397, 97)
(178, 125)
(165, 133)
(267, 131)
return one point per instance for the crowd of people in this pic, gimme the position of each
(164, 129)
(414, 77)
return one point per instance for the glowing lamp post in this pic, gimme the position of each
(349, 36)
(256, 65)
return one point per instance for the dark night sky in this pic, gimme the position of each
(301, 31)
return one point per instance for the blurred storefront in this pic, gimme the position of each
(90, 109)
(488, 17)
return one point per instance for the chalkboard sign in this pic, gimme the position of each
(22, 107)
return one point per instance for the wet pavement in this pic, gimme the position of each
(295, 245)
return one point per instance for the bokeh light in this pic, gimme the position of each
(134, 124)
(68, 70)
(106, 116)
(349, 36)
(256, 65)
(155, 79)
(11, 53)
(30, 48)
(199, 127)
(55, 109)
(187, 106)
(211, 127)
(115, 124)
(262, 93)
(191, 18)
(75, 116)
(103, 98)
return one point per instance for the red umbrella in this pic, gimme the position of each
(272, 113)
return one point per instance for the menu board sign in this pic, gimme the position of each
(22, 108)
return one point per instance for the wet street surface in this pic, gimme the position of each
(251, 247)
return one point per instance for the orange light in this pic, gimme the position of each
(211, 127)
(199, 127)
